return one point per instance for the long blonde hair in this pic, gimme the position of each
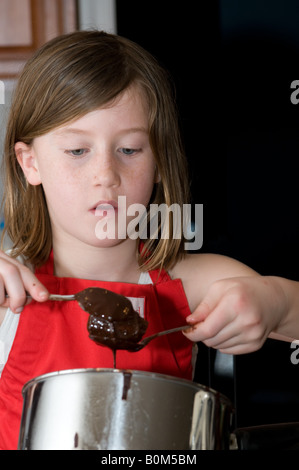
(66, 78)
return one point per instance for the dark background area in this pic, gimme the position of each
(233, 63)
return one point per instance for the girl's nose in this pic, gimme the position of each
(106, 172)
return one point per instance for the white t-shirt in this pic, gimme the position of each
(7, 335)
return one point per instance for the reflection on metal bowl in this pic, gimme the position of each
(109, 409)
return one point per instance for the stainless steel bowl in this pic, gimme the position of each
(121, 409)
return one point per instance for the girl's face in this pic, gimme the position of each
(89, 163)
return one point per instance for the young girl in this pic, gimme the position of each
(93, 119)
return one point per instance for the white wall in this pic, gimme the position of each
(6, 88)
(97, 14)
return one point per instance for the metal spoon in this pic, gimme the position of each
(145, 341)
(136, 346)
(141, 343)
(62, 297)
(51, 297)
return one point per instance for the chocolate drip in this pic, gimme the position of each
(127, 384)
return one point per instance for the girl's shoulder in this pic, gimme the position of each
(199, 271)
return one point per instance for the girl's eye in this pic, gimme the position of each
(128, 151)
(77, 152)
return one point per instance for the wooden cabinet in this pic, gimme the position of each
(27, 24)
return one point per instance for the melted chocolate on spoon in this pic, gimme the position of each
(113, 322)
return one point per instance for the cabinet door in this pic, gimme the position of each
(27, 24)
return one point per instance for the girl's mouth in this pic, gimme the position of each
(105, 209)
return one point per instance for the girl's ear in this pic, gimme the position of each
(26, 158)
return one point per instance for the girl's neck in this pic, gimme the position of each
(116, 263)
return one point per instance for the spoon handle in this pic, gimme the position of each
(52, 297)
(61, 297)
(173, 330)
(144, 341)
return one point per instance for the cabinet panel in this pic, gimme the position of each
(26, 25)
(15, 23)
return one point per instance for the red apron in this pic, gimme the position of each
(53, 336)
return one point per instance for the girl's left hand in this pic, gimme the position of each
(237, 315)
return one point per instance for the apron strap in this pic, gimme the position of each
(158, 276)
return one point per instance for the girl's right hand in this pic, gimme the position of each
(17, 281)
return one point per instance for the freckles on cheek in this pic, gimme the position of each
(59, 188)
(142, 191)
(145, 175)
